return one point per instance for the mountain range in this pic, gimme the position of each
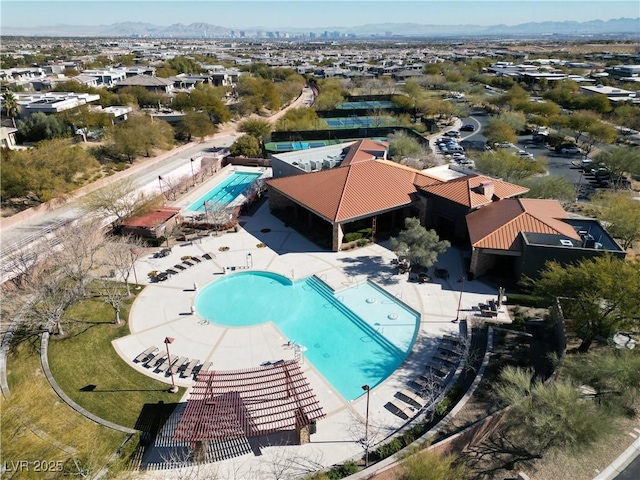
(622, 26)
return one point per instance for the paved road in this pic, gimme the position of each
(632, 472)
(33, 229)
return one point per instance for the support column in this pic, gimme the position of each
(337, 237)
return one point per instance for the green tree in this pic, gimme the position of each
(502, 163)
(516, 120)
(499, 131)
(543, 416)
(580, 122)
(139, 135)
(300, 119)
(599, 295)
(418, 245)
(10, 106)
(597, 133)
(211, 100)
(40, 126)
(50, 169)
(246, 146)
(613, 373)
(195, 124)
(256, 127)
(622, 214)
(620, 161)
(550, 186)
(402, 146)
(331, 94)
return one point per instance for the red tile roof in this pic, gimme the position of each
(365, 151)
(467, 190)
(355, 190)
(498, 225)
(152, 219)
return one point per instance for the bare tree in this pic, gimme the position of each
(74, 251)
(117, 201)
(173, 185)
(50, 300)
(20, 266)
(121, 254)
(114, 294)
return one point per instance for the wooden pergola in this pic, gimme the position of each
(241, 404)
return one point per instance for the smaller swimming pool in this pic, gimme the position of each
(224, 194)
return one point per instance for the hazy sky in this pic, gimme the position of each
(308, 13)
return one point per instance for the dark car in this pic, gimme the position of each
(468, 128)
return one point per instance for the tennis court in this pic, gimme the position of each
(370, 104)
(359, 122)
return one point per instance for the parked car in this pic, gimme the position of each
(458, 156)
(502, 145)
(452, 133)
(525, 154)
(570, 150)
(468, 128)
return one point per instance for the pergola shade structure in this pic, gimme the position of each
(240, 404)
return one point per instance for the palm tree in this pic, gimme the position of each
(11, 107)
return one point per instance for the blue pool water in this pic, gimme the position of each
(357, 336)
(225, 193)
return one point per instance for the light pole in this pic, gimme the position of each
(160, 182)
(460, 280)
(193, 176)
(173, 388)
(249, 260)
(366, 428)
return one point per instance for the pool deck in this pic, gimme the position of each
(164, 310)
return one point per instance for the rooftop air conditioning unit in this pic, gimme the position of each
(566, 243)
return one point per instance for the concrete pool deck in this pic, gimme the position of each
(164, 310)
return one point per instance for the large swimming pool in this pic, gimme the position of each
(225, 192)
(357, 336)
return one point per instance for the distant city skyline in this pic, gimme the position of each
(311, 14)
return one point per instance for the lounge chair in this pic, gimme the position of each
(450, 348)
(180, 267)
(452, 359)
(196, 259)
(401, 409)
(155, 359)
(203, 368)
(188, 263)
(164, 366)
(188, 370)
(143, 356)
(413, 397)
(178, 365)
(208, 256)
(439, 369)
(451, 338)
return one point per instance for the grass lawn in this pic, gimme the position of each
(34, 419)
(88, 369)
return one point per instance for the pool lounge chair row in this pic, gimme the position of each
(159, 362)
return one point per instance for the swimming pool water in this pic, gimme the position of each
(357, 336)
(225, 192)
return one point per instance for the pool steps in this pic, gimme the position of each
(325, 291)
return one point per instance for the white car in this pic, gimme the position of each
(452, 133)
(523, 154)
(458, 156)
(571, 150)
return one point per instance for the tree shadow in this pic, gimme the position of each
(376, 269)
(498, 452)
